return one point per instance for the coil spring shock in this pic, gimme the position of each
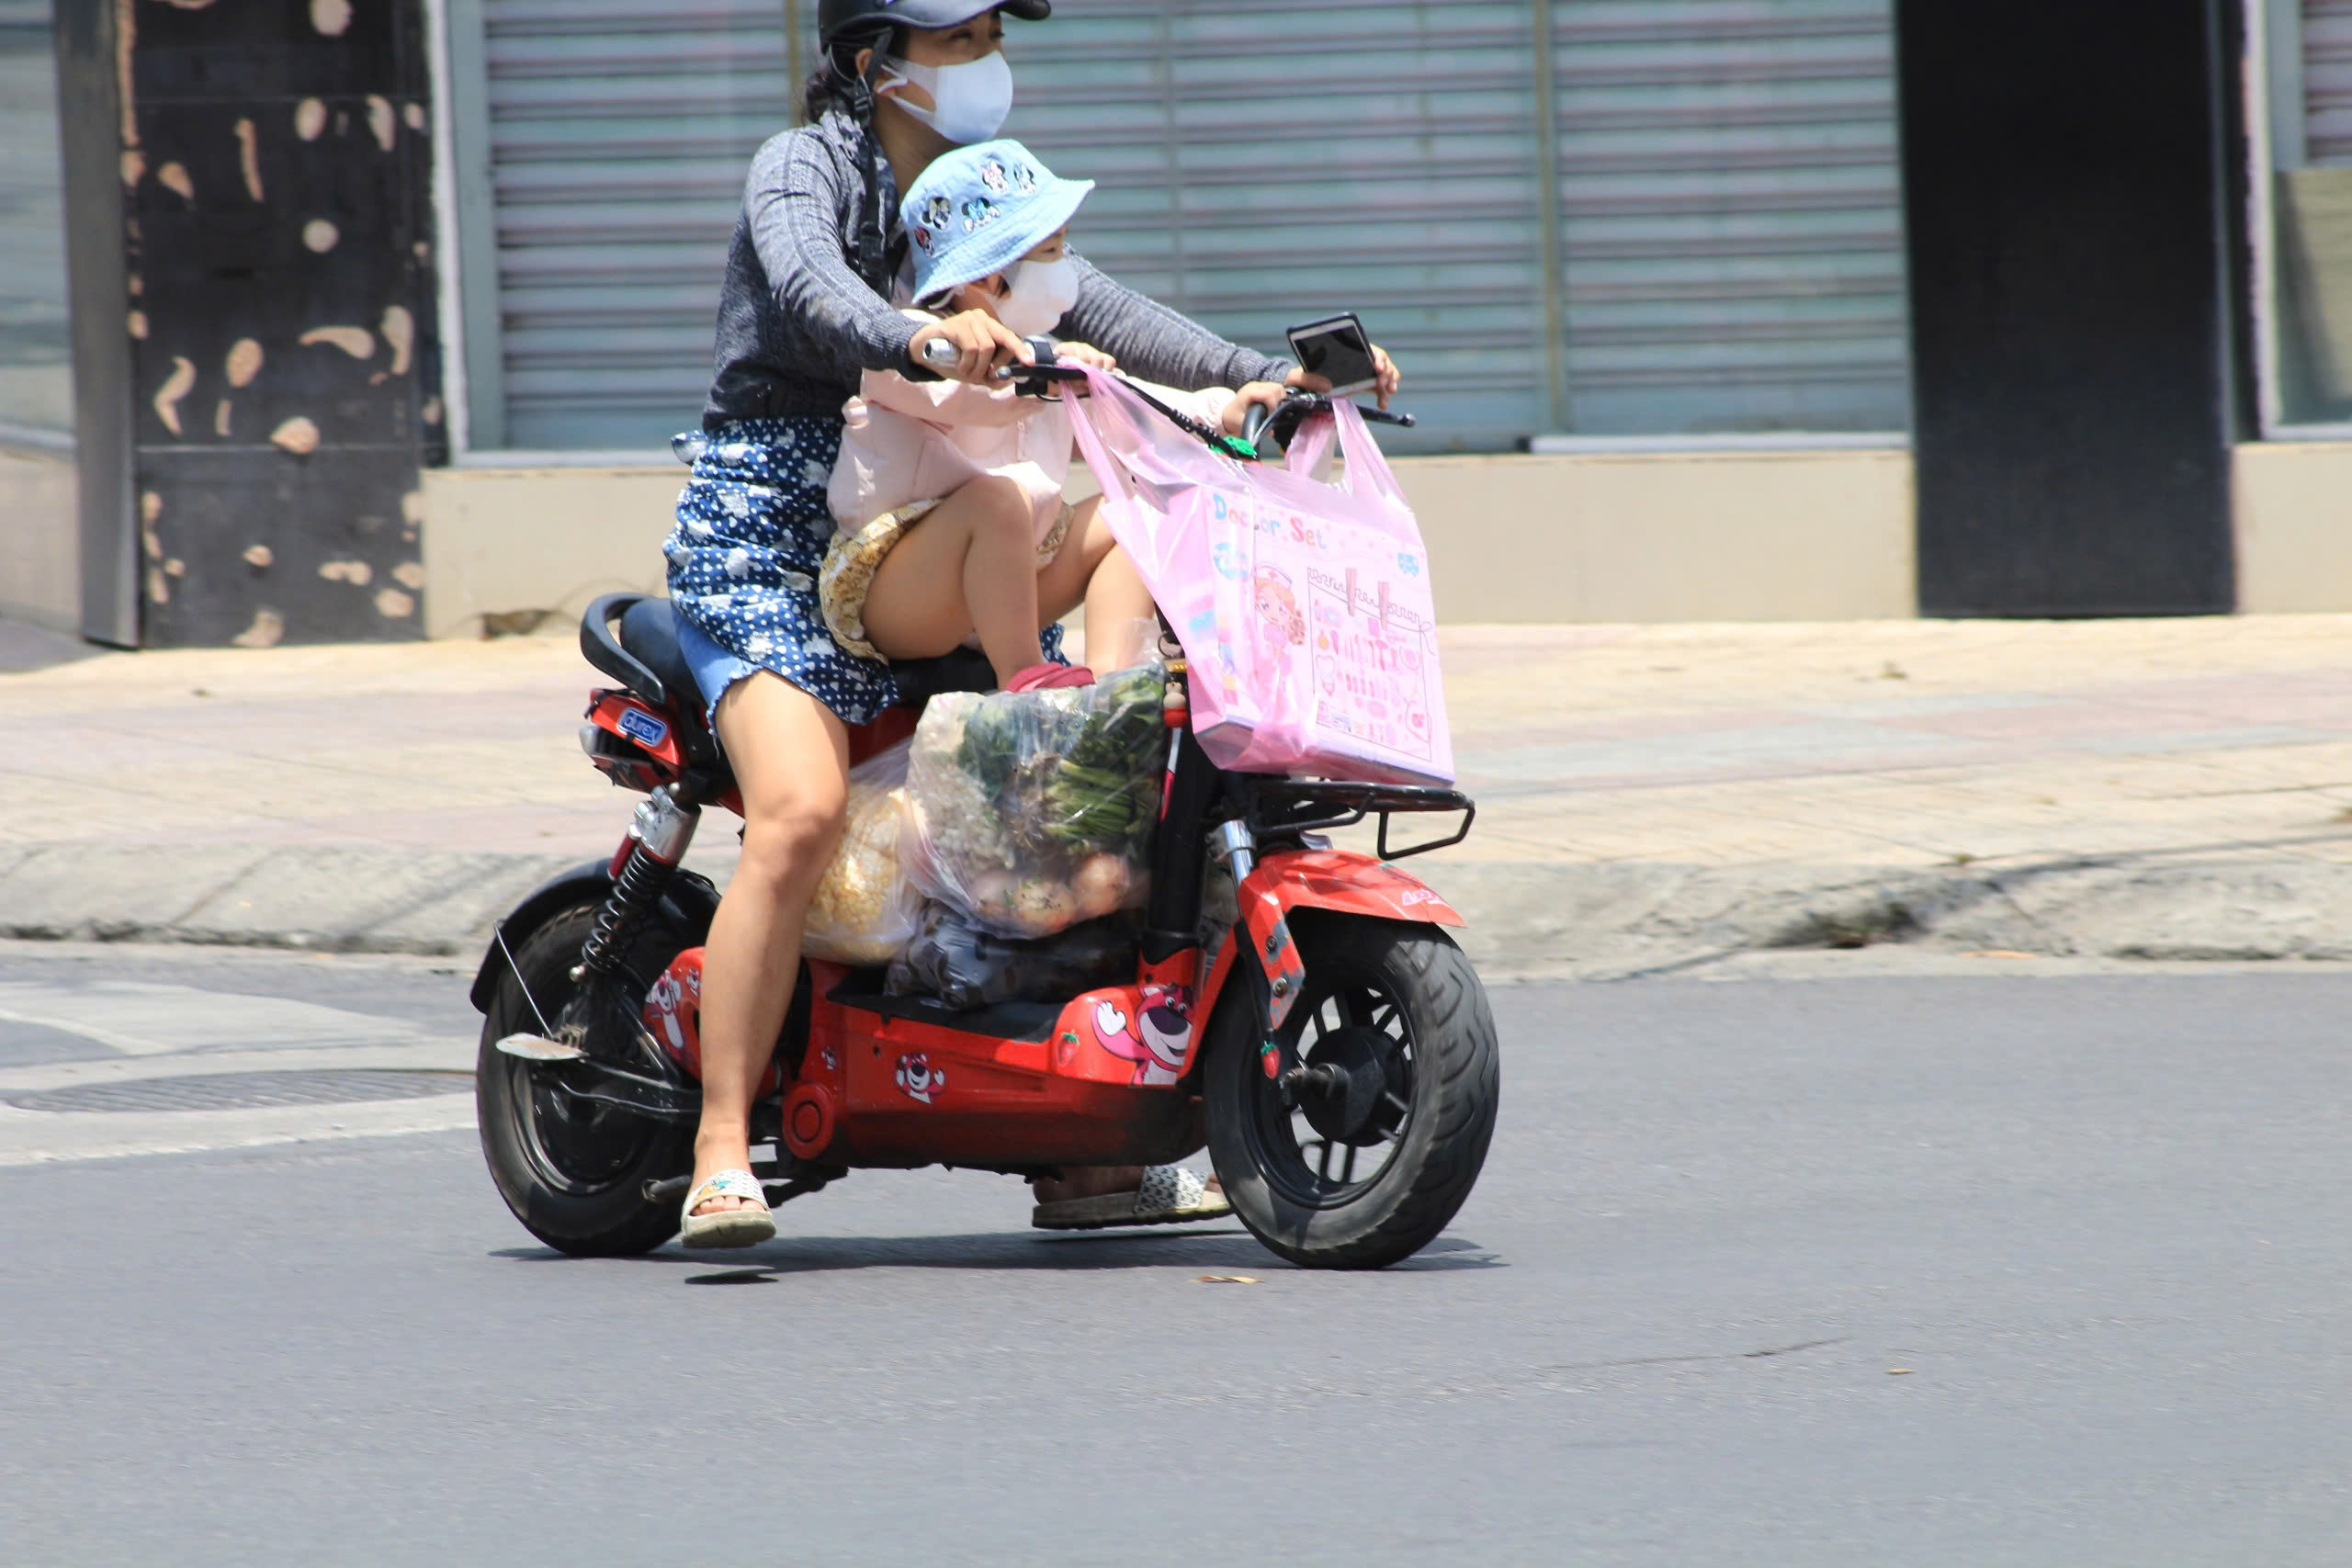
(624, 910)
(658, 840)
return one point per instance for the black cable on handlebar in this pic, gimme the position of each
(1030, 381)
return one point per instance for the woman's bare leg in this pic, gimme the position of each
(791, 760)
(970, 566)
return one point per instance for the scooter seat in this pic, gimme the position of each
(647, 657)
(650, 629)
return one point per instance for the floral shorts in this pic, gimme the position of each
(847, 575)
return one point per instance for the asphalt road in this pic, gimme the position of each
(1891, 1270)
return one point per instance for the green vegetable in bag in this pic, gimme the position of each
(1106, 791)
(1031, 811)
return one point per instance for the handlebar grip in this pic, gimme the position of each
(939, 354)
(1254, 422)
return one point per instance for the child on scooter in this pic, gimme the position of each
(948, 496)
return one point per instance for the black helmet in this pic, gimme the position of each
(839, 21)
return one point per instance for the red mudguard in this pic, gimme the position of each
(1315, 879)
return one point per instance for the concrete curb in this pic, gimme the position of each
(1629, 919)
(326, 899)
(1590, 920)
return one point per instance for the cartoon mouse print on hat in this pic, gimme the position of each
(985, 207)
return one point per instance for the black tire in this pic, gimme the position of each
(1437, 1080)
(574, 1174)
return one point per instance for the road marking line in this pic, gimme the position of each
(29, 1137)
(142, 1020)
(432, 1056)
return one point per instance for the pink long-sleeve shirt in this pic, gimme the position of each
(910, 441)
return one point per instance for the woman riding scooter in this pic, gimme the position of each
(805, 310)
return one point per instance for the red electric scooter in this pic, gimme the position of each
(1332, 1047)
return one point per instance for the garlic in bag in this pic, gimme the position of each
(865, 910)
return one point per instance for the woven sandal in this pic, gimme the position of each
(728, 1227)
(1170, 1195)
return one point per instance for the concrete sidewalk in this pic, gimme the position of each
(1649, 796)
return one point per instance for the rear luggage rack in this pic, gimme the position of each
(1279, 808)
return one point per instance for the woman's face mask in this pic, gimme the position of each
(1041, 294)
(969, 102)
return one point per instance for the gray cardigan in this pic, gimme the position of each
(797, 325)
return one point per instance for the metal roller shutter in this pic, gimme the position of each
(1729, 248)
(1267, 161)
(2327, 81)
(1732, 198)
(617, 136)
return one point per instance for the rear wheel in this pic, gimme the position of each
(1370, 1152)
(573, 1170)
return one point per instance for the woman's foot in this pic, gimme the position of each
(712, 1159)
(1102, 1197)
(729, 1210)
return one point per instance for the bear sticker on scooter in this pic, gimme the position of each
(1157, 1041)
(918, 1079)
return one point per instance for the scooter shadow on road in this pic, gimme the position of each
(1223, 1251)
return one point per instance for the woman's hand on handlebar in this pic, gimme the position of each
(983, 346)
(1391, 379)
(1257, 394)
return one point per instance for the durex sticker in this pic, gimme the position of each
(643, 728)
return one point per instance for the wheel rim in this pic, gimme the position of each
(576, 1146)
(1324, 1146)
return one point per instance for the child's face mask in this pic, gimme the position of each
(969, 102)
(1041, 294)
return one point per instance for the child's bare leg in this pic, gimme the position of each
(970, 566)
(1119, 605)
(1119, 613)
(1093, 568)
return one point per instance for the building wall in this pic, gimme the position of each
(2294, 528)
(1612, 537)
(508, 542)
(1668, 537)
(41, 557)
(275, 242)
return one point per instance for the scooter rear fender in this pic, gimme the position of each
(687, 905)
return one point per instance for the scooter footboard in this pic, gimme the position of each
(902, 1081)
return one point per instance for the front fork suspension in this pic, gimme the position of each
(1271, 946)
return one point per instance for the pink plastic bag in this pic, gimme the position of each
(1304, 608)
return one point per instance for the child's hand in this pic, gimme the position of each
(1257, 394)
(1084, 354)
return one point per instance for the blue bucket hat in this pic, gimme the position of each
(978, 209)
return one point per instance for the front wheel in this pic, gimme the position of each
(1364, 1159)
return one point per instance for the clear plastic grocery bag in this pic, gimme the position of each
(1304, 608)
(1031, 812)
(865, 910)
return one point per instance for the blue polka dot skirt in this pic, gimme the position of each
(753, 531)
